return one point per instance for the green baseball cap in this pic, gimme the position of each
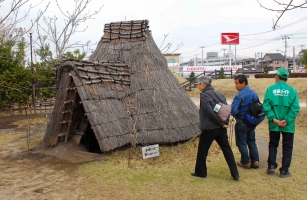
(282, 72)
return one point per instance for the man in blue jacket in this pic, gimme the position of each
(245, 135)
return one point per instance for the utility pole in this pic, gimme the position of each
(294, 64)
(255, 60)
(224, 55)
(195, 64)
(235, 54)
(261, 60)
(229, 52)
(285, 37)
(202, 55)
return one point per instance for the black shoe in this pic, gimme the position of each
(236, 178)
(284, 174)
(193, 174)
(271, 169)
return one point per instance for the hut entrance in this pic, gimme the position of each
(81, 130)
(89, 141)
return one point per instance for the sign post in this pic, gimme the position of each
(230, 38)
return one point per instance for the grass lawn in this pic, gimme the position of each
(125, 175)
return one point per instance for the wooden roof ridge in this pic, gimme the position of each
(134, 30)
(115, 68)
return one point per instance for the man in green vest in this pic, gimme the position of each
(281, 106)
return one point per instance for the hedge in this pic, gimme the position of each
(292, 75)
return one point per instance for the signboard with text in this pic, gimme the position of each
(150, 151)
(210, 68)
(230, 38)
(186, 71)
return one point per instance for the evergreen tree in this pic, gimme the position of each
(304, 59)
(76, 54)
(192, 78)
(266, 69)
(222, 73)
(15, 79)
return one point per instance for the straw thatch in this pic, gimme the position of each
(125, 93)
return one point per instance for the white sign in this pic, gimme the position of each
(210, 68)
(150, 151)
(186, 71)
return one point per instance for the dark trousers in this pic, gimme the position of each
(205, 140)
(287, 147)
(246, 142)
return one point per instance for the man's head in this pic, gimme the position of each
(203, 81)
(240, 81)
(281, 74)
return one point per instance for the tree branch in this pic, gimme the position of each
(60, 37)
(285, 7)
(9, 29)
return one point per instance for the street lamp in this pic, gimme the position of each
(31, 48)
(33, 82)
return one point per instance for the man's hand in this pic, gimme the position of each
(281, 123)
(225, 126)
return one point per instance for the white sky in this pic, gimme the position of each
(199, 23)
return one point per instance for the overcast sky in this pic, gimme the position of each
(200, 23)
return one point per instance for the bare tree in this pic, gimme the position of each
(282, 8)
(10, 28)
(167, 47)
(59, 38)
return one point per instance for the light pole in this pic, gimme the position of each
(31, 50)
(202, 55)
(33, 82)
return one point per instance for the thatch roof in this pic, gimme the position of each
(127, 92)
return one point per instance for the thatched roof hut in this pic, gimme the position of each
(124, 95)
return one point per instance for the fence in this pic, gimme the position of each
(40, 107)
(187, 85)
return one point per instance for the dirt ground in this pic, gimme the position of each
(51, 173)
(55, 173)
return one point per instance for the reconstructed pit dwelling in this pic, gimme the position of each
(123, 95)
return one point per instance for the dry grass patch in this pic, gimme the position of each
(16, 127)
(227, 87)
(125, 175)
(8, 137)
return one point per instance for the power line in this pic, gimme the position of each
(257, 45)
(291, 24)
